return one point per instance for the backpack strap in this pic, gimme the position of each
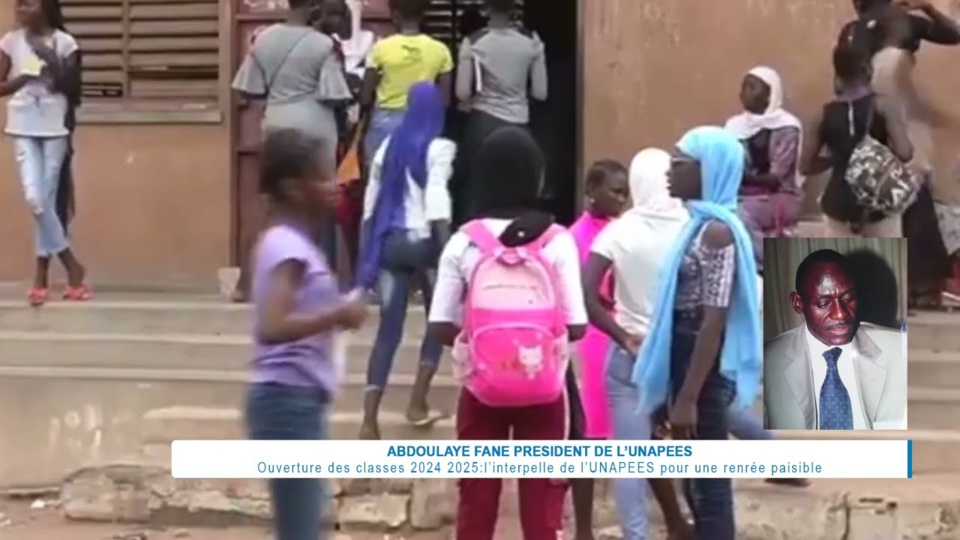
(480, 235)
(545, 238)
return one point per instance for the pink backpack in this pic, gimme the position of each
(514, 349)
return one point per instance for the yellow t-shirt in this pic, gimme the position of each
(404, 61)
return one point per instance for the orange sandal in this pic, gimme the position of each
(37, 296)
(77, 294)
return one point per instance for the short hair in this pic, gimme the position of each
(287, 154)
(821, 256)
(603, 169)
(409, 9)
(502, 6)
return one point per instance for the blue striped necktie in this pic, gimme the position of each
(835, 409)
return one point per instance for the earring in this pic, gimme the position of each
(590, 201)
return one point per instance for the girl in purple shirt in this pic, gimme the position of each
(298, 313)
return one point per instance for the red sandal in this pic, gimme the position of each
(37, 296)
(77, 294)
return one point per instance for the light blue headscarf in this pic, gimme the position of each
(721, 158)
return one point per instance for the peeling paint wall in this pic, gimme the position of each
(654, 68)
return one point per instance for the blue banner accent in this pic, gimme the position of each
(910, 459)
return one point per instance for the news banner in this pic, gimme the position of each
(543, 459)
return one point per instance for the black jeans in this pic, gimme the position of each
(710, 499)
(281, 413)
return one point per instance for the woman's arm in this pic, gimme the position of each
(68, 80)
(784, 155)
(897, 138)
(279, 324)
(10, 86)
(445, 86)
(937, 27)
(568, 270)
(465, 67)
(718, 275)
(596, 267)
(437, 204)
(811, 162)
(446, 310)
(538, 72)
(368, 90)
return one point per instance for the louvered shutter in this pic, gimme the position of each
(443, 19)
(150, 49)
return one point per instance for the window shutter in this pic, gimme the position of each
(149, 49)
(443, 19)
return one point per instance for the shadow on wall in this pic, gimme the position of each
(878, 294)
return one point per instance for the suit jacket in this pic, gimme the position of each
(789, 397)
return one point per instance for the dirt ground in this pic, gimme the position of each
(19, 522)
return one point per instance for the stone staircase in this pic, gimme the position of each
(116, 379)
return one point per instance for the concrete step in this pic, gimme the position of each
(933, 331)
(934, 408)
(163, 426)
(933, 369)
(145, 389)
(155, 315)
(229, 352)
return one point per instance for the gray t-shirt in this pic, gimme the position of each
(35, 110)
(495, 68)
(297, 70)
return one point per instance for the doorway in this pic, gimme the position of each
(555, 122)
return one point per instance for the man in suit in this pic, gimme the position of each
(832, 372)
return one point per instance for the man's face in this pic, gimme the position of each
(828, 303)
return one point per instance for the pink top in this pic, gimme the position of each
(594, 346)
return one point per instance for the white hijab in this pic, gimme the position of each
(357, 48)
(747, 124)
(648, 187)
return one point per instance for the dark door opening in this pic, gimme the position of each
(554, 122)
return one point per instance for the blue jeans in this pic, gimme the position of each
(405, 262)
(279, 412)
(628, 424)
(710, 499)
(39, 160)
(383, 122)
(747, 427)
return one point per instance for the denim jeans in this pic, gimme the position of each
(405, 261)
(710, 499)
(279, 412)
(745, 426)
(382, 124)
(628, 424)
(39, 160)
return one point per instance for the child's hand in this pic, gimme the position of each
(353, 312)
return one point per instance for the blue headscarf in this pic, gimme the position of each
(721, 158)
(406, 153)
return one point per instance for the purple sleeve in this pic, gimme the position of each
(278, 246)
(784, 152)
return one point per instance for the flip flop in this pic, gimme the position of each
(38, 297)
(429, 420)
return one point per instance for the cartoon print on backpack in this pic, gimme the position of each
(531, 358)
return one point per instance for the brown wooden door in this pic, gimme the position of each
(250, 16)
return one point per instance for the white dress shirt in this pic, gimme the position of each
(848, 376)
(422, 205)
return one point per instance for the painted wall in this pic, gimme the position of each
(654, 68)
(153, 203)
